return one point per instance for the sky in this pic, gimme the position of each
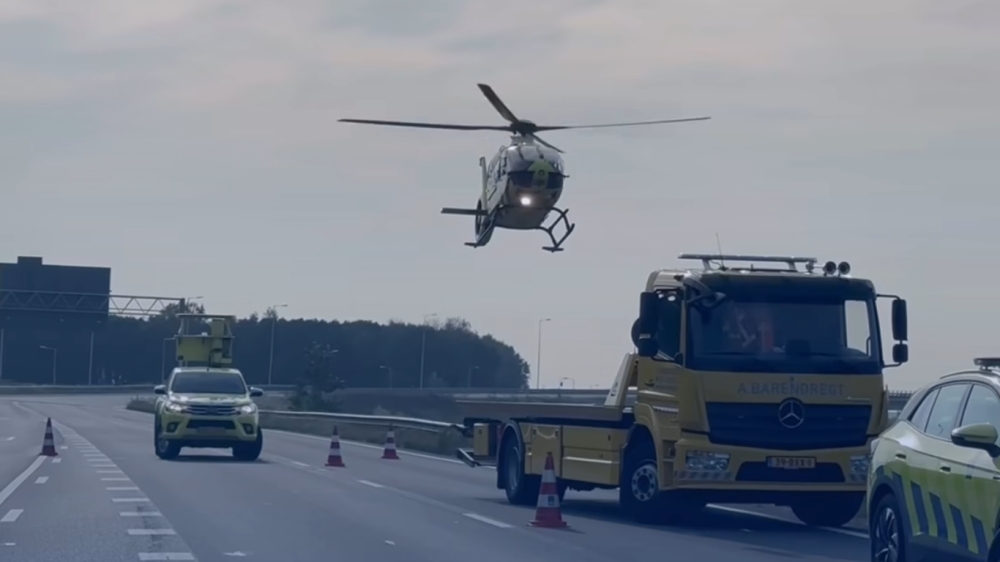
(193, 147)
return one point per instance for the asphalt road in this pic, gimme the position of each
(107, 498)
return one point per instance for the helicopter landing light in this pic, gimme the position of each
(525, 200)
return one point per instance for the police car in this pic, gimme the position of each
(934, 481)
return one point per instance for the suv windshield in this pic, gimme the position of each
(805, 336)
(206, 382)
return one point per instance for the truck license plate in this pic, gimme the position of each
(791, 463)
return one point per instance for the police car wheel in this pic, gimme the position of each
(886, 532)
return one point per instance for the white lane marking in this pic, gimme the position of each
(118, 479)
(302, 464)
(106, 465)
(848, 532)
(140, 514)
(41, 479)
(96, 458)
(122, 488)
(108, 471)
(12, 516)
(8, 438)
(487, 520)
(372, 484)
(6, 492)
(123, 500)
(166, 556)
(147, 532)
(56, 460)
(63, 447)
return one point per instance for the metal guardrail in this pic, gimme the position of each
(361, 419)
(104, 389)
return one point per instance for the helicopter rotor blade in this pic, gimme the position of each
(428, 125)
(543, 143)
(497, 104)
(606, 125)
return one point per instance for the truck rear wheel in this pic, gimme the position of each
(521, 488)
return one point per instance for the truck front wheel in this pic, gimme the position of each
(639, 489)
(521, 488)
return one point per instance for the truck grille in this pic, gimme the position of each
(824, 426)
(211, 410)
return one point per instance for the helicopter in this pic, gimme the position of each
(524, 180)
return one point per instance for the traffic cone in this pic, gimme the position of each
(334, 458)
(49, 444)
(548, 514)
(390, 446)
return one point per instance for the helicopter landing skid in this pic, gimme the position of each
(557, 244)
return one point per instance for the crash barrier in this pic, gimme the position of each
(428, 436)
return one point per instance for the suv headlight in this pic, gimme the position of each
(704, 460)
(248, 408)
(175, 407)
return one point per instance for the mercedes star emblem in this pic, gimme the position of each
(791, 413)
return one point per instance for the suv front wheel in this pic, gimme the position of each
(164, 448)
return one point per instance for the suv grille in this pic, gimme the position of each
(211, 410)
(824, 426)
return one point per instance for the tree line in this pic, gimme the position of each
(363, 354)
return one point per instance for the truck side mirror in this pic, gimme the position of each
(649, 320)
(899, 321)
(900, 353)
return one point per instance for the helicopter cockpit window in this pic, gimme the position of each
(536, 180)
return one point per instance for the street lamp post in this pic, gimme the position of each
(270, 359)
(423, 346)
(471, 369)
(538, 363)
(389, 370)
(54, 353)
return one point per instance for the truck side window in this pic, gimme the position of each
(669, 333)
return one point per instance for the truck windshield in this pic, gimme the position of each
(205, 382)
(801, 336)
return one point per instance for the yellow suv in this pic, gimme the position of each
(934, 482)
(204, 407)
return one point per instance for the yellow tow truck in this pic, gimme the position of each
(205, 402)
(755, 382)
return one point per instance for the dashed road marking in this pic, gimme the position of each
(11, 516)
(56, 460)
(127, 500)
(122, 488)
(41, 479)
(372, 484)
(109, 471)
(63, 447)
(165, 556)
(107, 465)
(15, 483)
(302, 464)
(148, 532)
(140, 514)
(487, 520)
(115, 479)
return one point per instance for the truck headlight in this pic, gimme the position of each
(704, 460)
(175, 407)
(859, 464)
(248, 408)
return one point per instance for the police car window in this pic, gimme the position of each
(944, 413)
(923, 411)
(983, 407)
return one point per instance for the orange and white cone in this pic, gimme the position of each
(334, 458)
(548, 514)
(49, 444)
(390, 446)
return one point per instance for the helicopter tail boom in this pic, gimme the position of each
(466, 212)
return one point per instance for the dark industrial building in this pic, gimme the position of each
(48, 317)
